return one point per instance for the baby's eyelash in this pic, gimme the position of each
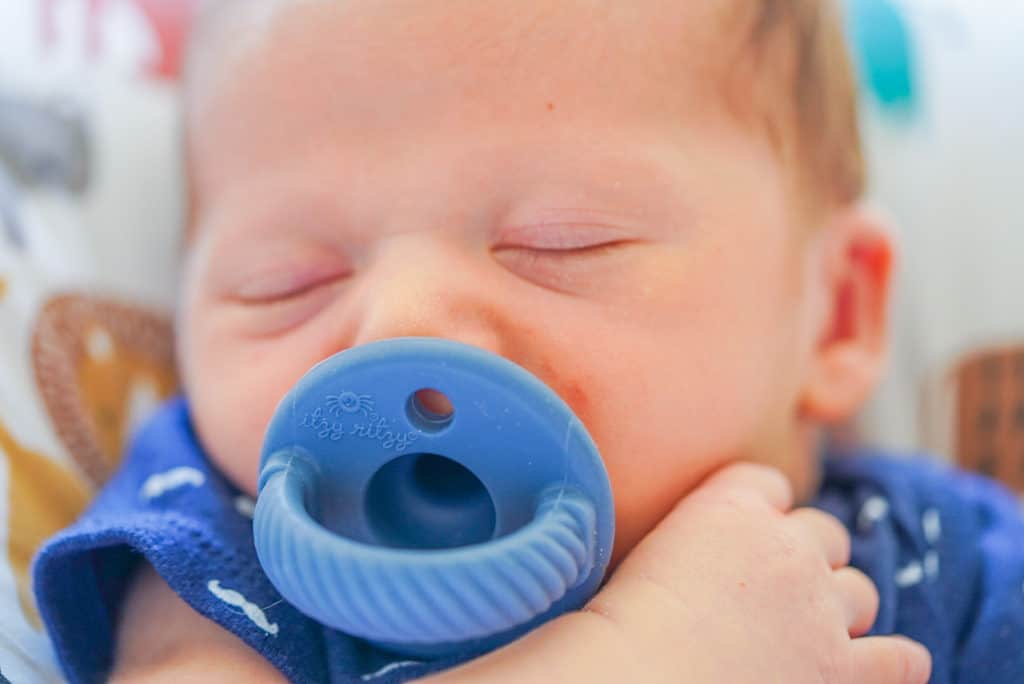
(563, 270)
(278, 297)
(258, 293)
(538, 253)
(562, 237)
(275, 315)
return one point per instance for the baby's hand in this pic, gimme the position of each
(732, 586)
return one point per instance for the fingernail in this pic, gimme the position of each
(919, 665)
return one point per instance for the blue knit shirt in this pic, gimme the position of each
(945, 549)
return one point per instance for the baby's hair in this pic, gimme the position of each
(790, 76)
(798, 82)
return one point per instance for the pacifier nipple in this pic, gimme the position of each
(431, 498)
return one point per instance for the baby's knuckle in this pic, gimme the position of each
(793, 554)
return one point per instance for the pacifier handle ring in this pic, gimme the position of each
(405, 596)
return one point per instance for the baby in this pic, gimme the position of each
(653, 206)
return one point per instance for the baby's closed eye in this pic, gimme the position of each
(285, 280)
(560, 257)
(269, 289)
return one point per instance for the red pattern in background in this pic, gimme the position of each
(169, 20)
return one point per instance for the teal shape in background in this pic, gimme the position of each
(884, 52)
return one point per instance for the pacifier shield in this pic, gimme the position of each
(430, 496)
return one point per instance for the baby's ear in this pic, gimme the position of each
(854, 270)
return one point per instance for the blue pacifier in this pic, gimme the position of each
(430, 533)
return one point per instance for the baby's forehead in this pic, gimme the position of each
(558, 76)
(774, 66)
(699, 33)
(700, 14)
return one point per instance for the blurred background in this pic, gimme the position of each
(91, 204)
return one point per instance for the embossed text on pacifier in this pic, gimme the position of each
(348, 414)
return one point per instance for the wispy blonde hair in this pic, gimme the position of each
(795, 78)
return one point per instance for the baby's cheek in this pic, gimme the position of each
(664, 421)
(233, 388)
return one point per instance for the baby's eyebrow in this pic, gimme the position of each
(248, 214)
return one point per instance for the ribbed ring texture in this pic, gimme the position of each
(416, 596)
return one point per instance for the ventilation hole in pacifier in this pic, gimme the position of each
(426, 501)
(430, 410)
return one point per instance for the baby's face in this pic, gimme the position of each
(557, 183)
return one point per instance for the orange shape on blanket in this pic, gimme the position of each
(43, 498)
(116, 385)
(100, 367)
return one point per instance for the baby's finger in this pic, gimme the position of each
(762, 480)
(889, 660)
(860, 596)
(824, 531)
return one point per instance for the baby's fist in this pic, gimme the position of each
(732, 586)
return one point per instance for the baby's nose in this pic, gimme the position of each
(424, 286)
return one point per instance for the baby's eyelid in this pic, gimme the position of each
(284, 283)
(561, 236)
